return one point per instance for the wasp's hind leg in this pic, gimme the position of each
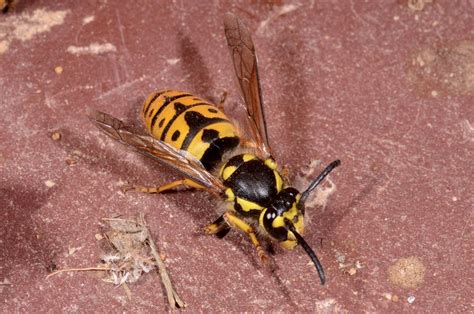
(187, 183)
(237, 223)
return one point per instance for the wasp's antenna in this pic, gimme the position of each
(308, 250)
(316, 182)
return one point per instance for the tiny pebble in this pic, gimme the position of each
(58, 69)
(56, 136)
(49, 183)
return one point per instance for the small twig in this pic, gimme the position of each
(173, 298)
(128, 292)
(119, 219)
(77, 269)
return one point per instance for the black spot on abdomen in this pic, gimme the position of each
(175, 135)
(209, 136)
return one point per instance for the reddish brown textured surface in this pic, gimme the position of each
(385, 88)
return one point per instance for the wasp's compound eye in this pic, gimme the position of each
(272, 226)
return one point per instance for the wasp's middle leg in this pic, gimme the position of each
(164, 188)
(237, 223)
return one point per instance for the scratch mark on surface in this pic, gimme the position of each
(389, 143)
(52, 102)
(415, 123)
(384, 187)
(120, 28)
(468, 223)
(126, 54)
(467, 130)
(121, 87)
(115, 70)
(358, 17)
(285, 9)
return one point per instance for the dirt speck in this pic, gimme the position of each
(391, 297)
(4, 46)
(408, 273)
(56, 136)
(92, 49)
(445, 69)
(88, 19)
(49, 183)
(59, 69)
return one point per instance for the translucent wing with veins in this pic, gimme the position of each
(242, 51)
(180, 161)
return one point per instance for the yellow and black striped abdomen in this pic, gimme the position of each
(191, 124)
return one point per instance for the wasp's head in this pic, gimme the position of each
(283, 219)
(283, 208)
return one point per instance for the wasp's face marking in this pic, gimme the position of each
(283, 207)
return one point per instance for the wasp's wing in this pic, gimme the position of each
(244, 59)
(157, 150)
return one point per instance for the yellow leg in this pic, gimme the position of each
(222, 101)
(216, 226)
(219, 227)
(167, 187)
(237, 223)
(285, 173)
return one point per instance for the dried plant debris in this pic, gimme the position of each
(418, 5)
(130, 252)
(320, 197)
(74, 157)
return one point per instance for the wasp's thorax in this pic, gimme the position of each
(251, 184)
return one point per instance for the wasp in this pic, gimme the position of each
(196, 139)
